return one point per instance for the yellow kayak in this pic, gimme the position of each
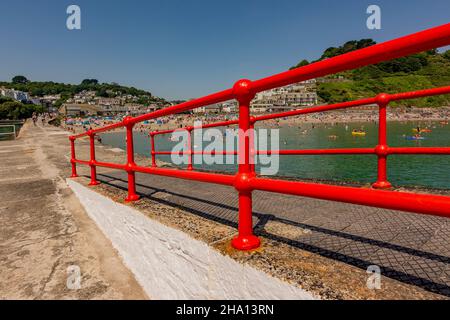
(355, 133)
(422, 130)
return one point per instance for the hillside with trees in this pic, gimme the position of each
(419, 71)
(107, 90)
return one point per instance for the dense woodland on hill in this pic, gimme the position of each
(419, 71)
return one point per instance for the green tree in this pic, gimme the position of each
(20, 79)
(11, 110)
(446, 54)
(4, 99)
(349, 46)
(405, 64)
(15, 110)
(102, 93)
(302, 63)
(89, 81)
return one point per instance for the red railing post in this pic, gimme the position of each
(381, 149)
(73, 157)
(252, 144)
(152, 140)
(189, 147)
(94, 181)
(245, 240)
(131, 165)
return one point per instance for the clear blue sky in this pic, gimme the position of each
(189, 48)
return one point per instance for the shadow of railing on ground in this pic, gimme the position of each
(263, 219)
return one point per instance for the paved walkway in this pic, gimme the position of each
(45, 235)
(411, 248)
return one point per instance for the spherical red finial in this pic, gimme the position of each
(242, 88)
(381, 150)
(127, 121)
(383, 99)
(242, 182)
(72, 138)
(90, 133)
(129, 167)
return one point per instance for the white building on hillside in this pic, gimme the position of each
(302, 94)
(15, 94)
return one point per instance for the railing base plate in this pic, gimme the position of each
(382, 185)
(132, 198)
(246, 243)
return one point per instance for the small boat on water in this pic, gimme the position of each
(358, 133)
(426, 130)
(414, 138)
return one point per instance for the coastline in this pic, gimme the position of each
(415, 115)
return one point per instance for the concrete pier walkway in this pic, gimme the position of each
(46, 239)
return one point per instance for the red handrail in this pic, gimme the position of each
(245, 181)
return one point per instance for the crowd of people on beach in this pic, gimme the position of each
(82, 124)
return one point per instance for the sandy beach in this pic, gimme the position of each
(333, 117)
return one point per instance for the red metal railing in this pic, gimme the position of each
(245, 180)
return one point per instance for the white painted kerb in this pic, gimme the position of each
(169, 264)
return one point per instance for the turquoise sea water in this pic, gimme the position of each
(403, 170)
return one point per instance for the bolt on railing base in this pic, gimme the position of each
(132, 198)
(246, 243)
(382, 185)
